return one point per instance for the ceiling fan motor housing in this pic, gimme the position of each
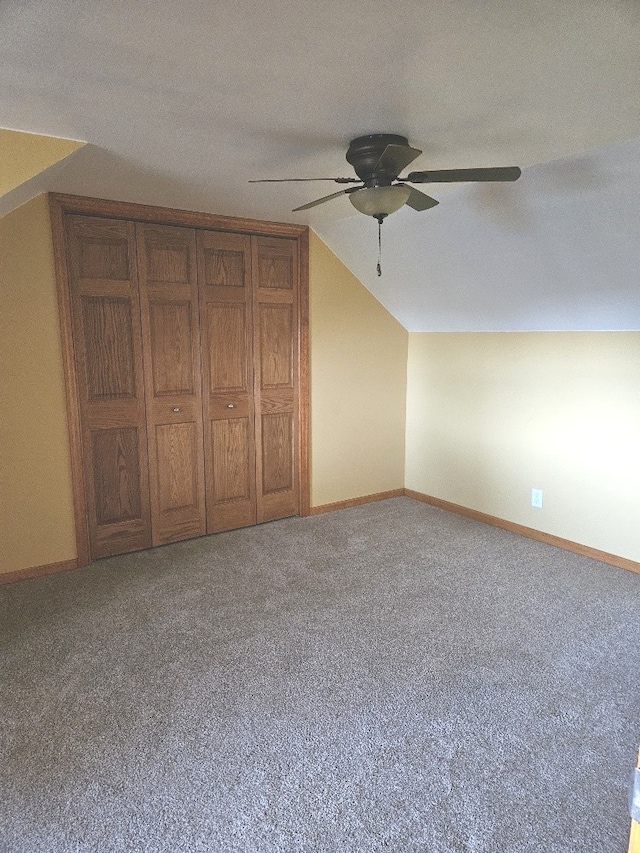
(364, 155)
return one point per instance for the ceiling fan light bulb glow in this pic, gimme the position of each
(380, 201)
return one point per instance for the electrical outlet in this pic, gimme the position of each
(536, 498)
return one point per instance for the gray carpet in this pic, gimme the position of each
(389, 677)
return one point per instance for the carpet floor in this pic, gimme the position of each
(390, 677)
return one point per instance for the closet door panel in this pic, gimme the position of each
(276, 346)
(116, 473)
(231, 452)
(170, 335)
(275, 380)
(110, 361)
(108, 349)
(228, 364)
(177, 448)
(277, 458)
(276, 263)
(224, 269)
(170, 321)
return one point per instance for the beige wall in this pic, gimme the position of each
(358, 385)
(36, 512)
(489, 416)
(358, 376)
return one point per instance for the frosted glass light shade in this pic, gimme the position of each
(380, 201)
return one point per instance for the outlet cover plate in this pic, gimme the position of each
(536, 498)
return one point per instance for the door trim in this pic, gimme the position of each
(60, 205)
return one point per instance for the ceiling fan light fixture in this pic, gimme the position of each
(380, 201)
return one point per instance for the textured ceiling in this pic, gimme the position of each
(182, 103)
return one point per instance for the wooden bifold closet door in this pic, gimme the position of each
(186, 345)
(226, 308)
(275, 324)
(108, 344)
(172, 379)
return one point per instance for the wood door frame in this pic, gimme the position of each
(60, 205)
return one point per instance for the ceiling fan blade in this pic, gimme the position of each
(394, 158)
(321, 200)
(420, 201)
(288, 180)
(498, 173)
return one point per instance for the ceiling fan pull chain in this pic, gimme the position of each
(379, 268)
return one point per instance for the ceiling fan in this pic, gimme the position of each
(377, 160)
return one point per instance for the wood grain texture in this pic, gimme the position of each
(116, 474)
(167, 264)
(171, 333)
(104, 256)
(39, 571)
(170, 216)
(178, 463)
(108, 351)
(276, 346)
(224, 267)
(224, 271)
(170, 311)
(226, 306)
(228, 364)
(110, 358)
(276, 376)
(278, 463)
(231, 453)
(529, 532)
(275, 265)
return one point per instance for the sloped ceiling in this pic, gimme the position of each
(25, 155)
(182, 103)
